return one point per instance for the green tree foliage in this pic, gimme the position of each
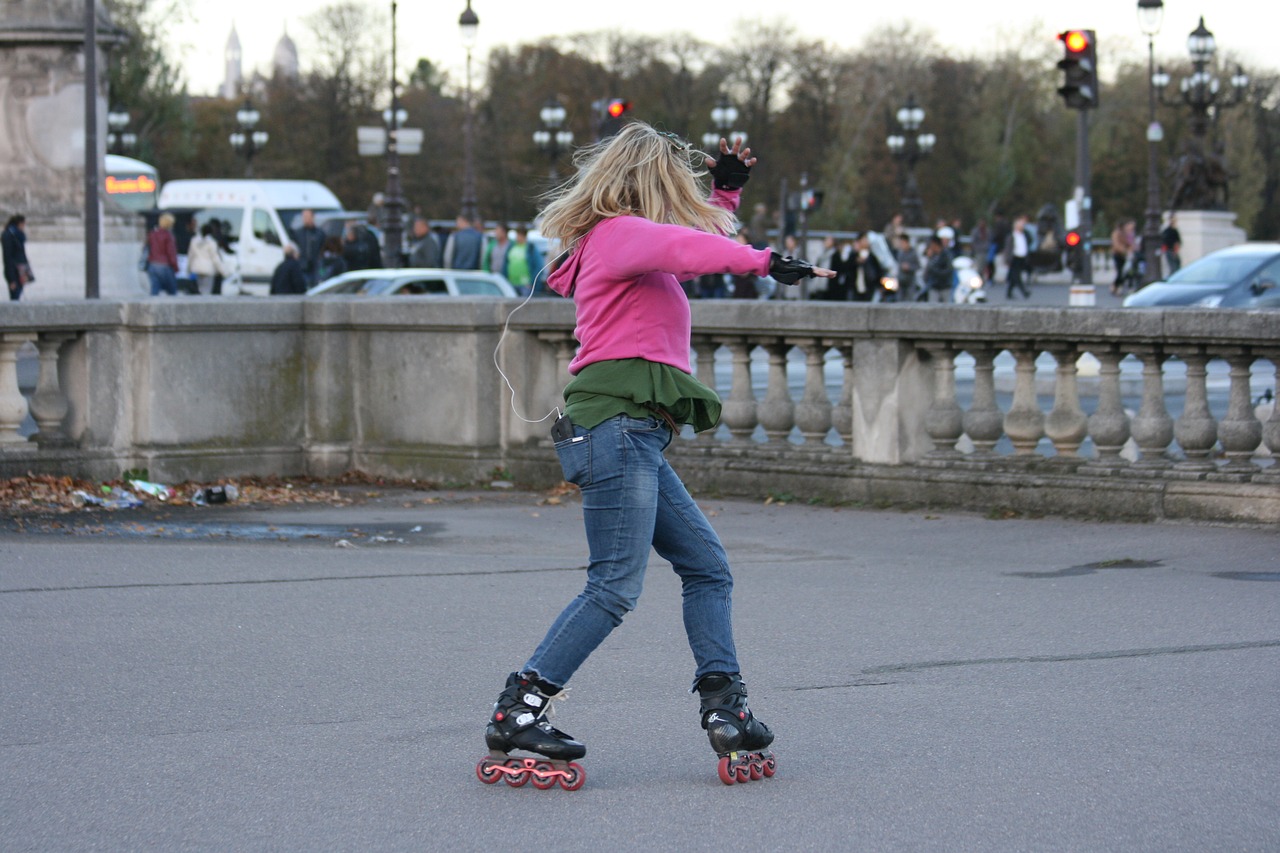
(143, 79)
(1005, 142)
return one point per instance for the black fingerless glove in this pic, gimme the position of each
(730, 173)
(787, 269)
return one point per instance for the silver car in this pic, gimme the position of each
(415, 282)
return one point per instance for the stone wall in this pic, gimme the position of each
(1133, 414)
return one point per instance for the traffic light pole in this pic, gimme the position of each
(1082, 192)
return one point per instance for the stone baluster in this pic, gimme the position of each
(945, 420)
(813, 413)
(1240, 431)
(739, 411)
(1196, 430)
(49, 405)
(1109, 424)
(777, 410)
(1152, 428)
(704, 349)
(842, 413)
(1024, 422)
(13, 406)
(1271, 428)
(1066, 424)
(984, 422)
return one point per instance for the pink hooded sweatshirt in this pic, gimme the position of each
(624, 279)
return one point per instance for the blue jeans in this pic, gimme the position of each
(632, 500)
(162, 279)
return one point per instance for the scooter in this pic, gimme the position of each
(969, 288)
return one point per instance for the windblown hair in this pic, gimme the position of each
(638, 172)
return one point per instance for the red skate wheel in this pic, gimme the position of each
(742, 772)
(770, 766)
(544, 776)
(576, 776)
(517, 773)
(726, 775)
(756, 770)
(487, 772)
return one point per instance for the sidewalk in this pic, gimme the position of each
(318, 677)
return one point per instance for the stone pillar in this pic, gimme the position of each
(49, 403)
(739, 410)
(842, 413)
(1240, 431)
(984, 422)
(704, 350)
(1152, 428)
(1109, 425)
(1024, 423)
(1205, 231)
(1196, 430)
(42, 139)
(777, 411)
(13, 406)
(813, 414)
(1066, 424)
(945, 422)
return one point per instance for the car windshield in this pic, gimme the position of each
(355, 285)
(1226, 269)
(477, 287)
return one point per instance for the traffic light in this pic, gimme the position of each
(615, 115)
(1079, 69)
(1073, 239)
(811, 200)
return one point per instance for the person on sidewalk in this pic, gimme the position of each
(1019, 258)
(636, 222)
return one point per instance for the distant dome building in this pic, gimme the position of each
(285, 62)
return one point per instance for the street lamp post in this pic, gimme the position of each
(1150, 17)
(723, 116)
(246, 141)
(468, 24)
(1197, 183)
(120, 139)
(392, 212)
(553, 137)
(909, 147)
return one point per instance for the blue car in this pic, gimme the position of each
(1244, 276)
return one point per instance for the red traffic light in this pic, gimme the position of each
(1073, 238)
(617, 107)
(1076, 41)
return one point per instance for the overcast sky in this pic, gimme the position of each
(430, 29)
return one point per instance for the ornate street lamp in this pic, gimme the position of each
(909, 147)
(246, 141)
(723, 116)
(119, 139)
(1150, 17)
(394, 118)
(1200, 172)
(468, 25)
(553, 138)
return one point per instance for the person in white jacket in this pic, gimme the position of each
(204, 260)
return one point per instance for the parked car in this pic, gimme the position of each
(415, 282)
(1244, 276)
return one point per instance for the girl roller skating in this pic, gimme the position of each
(635, 222)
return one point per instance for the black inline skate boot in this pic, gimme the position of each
(519, 721)
(735, 734)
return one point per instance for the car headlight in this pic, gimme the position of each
(890, 284)
(1210, 301)
(974, 282)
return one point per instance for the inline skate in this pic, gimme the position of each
(735, 734)
(519, 721)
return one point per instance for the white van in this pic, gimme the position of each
(252, 215)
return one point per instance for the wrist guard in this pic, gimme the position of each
(788, 270)
(730, 173)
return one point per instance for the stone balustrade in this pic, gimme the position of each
(1148, 414)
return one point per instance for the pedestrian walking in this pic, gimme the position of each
(1018, 250)
(635, 222)
(17, 270)
(162, 257)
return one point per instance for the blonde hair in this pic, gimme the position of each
(638, 172)
(166, 220)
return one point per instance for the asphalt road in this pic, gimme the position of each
(231, 678)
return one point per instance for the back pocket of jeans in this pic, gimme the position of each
(575, 459)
